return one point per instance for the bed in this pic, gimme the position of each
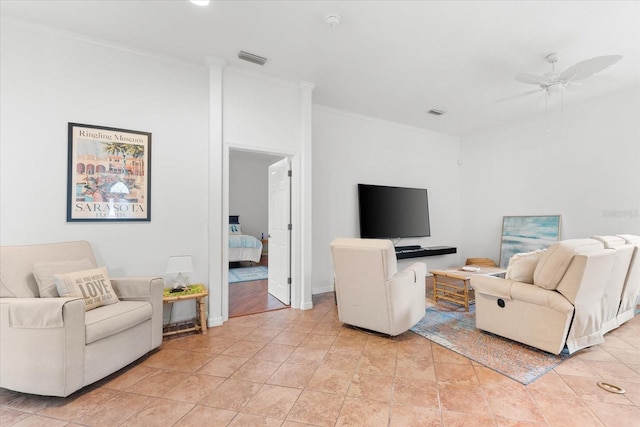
(242, 247)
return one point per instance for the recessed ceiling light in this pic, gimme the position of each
(256, 59)
(200, 2)
(436, 112)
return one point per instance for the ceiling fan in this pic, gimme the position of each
(555, 82)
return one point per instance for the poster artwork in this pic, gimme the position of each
(109, 174)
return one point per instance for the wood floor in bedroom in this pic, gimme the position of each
(252, 297)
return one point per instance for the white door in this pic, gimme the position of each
(279, 231)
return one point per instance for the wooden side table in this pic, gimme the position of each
(195, 292)
(453, 285)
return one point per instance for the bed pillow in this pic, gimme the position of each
(43, 272)
(92, 285)
(522, 265)
(235, 229)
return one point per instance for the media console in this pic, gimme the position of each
(403, 252)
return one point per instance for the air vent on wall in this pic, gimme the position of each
(246, 56)
(435, 112)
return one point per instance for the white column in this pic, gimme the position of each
(218, 298)
(305, 298)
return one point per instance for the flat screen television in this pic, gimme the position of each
(393, 212)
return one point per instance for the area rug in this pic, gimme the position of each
(456, 330)
(247, 274)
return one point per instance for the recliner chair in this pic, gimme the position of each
(562, 306)
(370, 292)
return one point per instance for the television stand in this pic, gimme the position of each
(404, 252)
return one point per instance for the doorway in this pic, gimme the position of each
(249, 200)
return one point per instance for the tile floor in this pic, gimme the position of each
(292, 368)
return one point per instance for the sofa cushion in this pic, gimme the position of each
(521, 266)
(92, 285)
(43, 271)
(555, 261)
(112, 319)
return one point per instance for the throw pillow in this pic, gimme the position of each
(43, 272)
(235, 229)
(521, 266)
(92, 285)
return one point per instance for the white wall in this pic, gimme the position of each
(585, 167)
(49, 79)
(249, 190)
(350, 149)
(269, 116)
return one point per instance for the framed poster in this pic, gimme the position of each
(526, 234)
(109, 174)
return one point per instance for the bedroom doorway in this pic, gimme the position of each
(249, 200)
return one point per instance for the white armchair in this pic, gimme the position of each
(370, 292)
(50, 345)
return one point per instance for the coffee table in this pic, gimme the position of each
(453, 284)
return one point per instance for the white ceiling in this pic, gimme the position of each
(392, 60)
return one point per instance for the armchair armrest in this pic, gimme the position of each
(416, 272)
(525, 292)
(406, 297)
(144, 289)
(42, 359)
(137, 288)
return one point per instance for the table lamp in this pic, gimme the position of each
(180, 264)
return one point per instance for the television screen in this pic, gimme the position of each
(393, 212)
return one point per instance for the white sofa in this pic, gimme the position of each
(52, 346)
(631, 288)
(370, 292)
(563, 305)
(616, 281)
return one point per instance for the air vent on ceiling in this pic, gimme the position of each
(436, 112)
(246, 56)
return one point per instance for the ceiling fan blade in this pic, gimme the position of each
(520, 95)
(533, 79)
(589, 67)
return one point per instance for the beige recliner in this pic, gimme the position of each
(370, 292)
(50, 345)
(562, 306)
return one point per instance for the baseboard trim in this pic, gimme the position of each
(323, 290)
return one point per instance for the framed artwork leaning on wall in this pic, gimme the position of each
(522, 234)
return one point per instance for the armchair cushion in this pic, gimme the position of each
(115, 318)
(43, 272)
(521, 266)
(92, 285)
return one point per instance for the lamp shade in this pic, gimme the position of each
(179, 264)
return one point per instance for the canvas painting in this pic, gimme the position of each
(527, 233)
